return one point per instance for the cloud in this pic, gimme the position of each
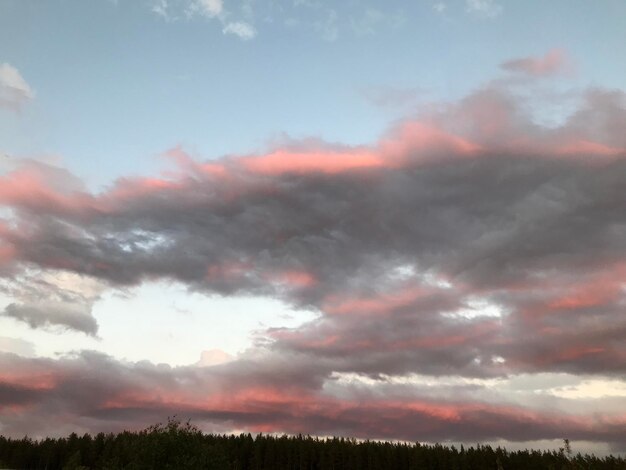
(52, 299)
(368, 22)
(209, 8)
(474, 194)
(484, 8)
(160, 8)
(65, 315)
(14, 91)
(241, 29)
(468, 242)
(174, 10)
(440, 7)
(16, 346)
(389, 97)
(372, 19)
(98, 393)
(214, 357)
(552, 63)
(327, 26)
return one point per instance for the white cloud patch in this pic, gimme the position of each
(160, 8)
(16, 346)
(14, 91)
(213, 357)
(484, 8)
(440, 7)
(241, 29)
(209, 8)
(368, 22)
(328, 27)
(593, 388)
(175, 10)
(372, 19)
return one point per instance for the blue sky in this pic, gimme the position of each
(406, 207)
(118, 84)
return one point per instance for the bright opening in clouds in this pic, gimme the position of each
(400, 223)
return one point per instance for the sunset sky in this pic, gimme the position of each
(399, 220)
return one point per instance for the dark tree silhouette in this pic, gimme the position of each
(179, 445)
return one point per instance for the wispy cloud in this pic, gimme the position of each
(372, 19)
(327, 20)
(208, 8)
(14, 91)
(328, 26)
(440, 7)
(174, 10)
(484, 8)
(389, 97)
(554, 62)
(241, 29)
(160, 8)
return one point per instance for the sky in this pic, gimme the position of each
(386, 220)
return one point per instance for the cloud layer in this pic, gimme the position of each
(467, 242)
(266, 394)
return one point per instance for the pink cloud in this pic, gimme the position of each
(190, 165)
(600, 286)
(228, 270)
(587, 147)
(474, 191)
(487, 123)
(323, 161)
(293, 278)
(415, 139)
(136, 188)
(8, 252)
(86, 395)
(603, 289)
(553, 62)
(380, 304)
(30, 187)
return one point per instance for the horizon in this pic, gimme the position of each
(391, 222)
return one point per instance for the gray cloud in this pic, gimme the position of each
(469, 241)
(97, 393)
(57, 300)
(484, 8)
(64, 315)
(523, 207)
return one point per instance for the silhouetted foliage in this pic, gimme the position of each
(177, 445)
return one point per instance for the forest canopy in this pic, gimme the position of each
(180, 445)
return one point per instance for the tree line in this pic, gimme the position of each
(178, 445)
